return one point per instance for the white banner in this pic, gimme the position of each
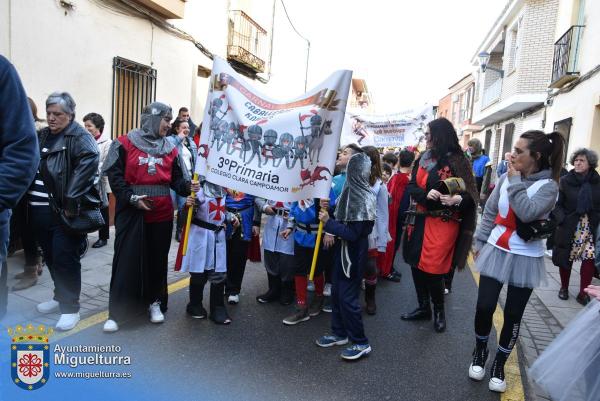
(399, 130)
(282, 151)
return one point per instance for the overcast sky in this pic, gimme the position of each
(409, 52)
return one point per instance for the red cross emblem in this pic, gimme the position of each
(30, 365)
(216, 207)
(444, 173)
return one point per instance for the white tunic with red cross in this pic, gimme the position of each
(206, 249)
(504, 235)
(272, 239)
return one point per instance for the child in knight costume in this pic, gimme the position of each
(304, 220)
(354, 219)
(278, 252)
(205, 258)
(238, 240)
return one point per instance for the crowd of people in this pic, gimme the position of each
(418, 205)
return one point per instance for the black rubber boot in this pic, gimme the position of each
(371, 308)
(273, 292)
(423, 311)
(218, 312)
(439, 318)
(287, 293)
(195, 308)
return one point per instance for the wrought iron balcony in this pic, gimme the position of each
(566, 53)
(246, 43)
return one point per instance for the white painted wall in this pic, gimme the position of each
(74, 52)
(582, 103)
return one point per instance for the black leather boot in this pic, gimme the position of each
(439, 318)
(371, 308)
(218, 312)
(423, 311)
(273, 292)
(195, 308)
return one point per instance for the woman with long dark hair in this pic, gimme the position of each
(504, 254)
(439, 236)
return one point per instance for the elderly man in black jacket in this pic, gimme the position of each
(18, 147)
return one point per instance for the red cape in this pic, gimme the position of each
(396, 186)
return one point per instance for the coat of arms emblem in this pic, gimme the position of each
(30, 355)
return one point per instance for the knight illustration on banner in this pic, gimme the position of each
(255, 144)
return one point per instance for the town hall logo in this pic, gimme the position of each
(30, 356)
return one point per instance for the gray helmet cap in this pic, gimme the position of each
(151, 116)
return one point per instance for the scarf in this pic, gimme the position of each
(146, 138)
(356, 202)
(584, 197)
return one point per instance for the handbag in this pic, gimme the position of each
(538, 229)
(87, 221)
(89, 218)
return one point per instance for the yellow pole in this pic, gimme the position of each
(316, 253)
(188, 221)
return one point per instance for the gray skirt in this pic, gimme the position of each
(509, 268)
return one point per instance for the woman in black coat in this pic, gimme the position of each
(577, 214)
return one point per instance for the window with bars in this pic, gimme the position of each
(134, 86)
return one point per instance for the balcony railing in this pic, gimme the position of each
(566, 52)
(491, 93)
(246, 43)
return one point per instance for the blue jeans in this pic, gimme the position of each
(178, 201)
(4, 237)
(346, 316)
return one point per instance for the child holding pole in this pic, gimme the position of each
(354, 219)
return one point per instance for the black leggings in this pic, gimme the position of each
(516, 301)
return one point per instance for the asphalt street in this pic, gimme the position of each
(259, 358)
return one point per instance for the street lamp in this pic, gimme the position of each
(484, 58)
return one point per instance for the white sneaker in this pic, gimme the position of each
(327, 290)
(497, 385)
(110, 326)
(233, 299)
(67, 321)
(476, 372)
(156, 316)
(446, 292)
(48, 306)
